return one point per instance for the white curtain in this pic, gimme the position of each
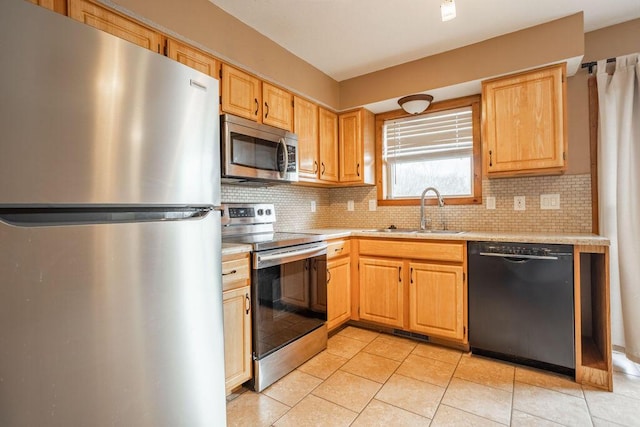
(619, 193)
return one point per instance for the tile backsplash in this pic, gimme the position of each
(293, 207)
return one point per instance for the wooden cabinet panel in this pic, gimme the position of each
(115, 24)
(240, 93)
(277, 107)
(236, 271)
(356, 145)
(338, 291)
(328, 146)
(381, 291)
(305, 125)
(441, 251)
(350, 149)
(338, 248)
(436, 300)
(237, 336)
(193, 58)
(524, 123)
(59, 6)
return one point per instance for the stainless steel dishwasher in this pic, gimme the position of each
(521, 303)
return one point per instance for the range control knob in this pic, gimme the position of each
(268, 212)
(260, 212)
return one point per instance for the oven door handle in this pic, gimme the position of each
(283, 257)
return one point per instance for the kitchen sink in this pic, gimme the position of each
(439, 231)
(396, 230)
(414, 230)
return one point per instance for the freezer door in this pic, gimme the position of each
(112, 324)
(88, 118)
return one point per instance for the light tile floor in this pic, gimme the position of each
(365, 378)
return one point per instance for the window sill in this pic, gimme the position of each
(431, 201)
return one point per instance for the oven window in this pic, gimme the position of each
(289, 300)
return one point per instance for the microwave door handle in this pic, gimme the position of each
(283, 172)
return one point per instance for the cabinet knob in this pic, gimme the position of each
(266, 107)
(230, 272)
(323, 168)
(490, 160)
(315, 166)
(247, 303)
(257, 106)
(358, 169)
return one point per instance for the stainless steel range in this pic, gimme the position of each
(289, 290)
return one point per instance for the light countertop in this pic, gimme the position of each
(486, 236)
(235, 248)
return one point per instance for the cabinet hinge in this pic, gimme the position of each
(220, 99)
(564, 155)
(220, 72)
(464, 276)
(464, 331)
(166, 48)
(292, 102)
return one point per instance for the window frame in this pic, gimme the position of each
(476, 198)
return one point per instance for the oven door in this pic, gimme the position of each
(289, 295)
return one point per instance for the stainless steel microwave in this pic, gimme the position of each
(255, 152)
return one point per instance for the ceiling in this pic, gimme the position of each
(348, 38)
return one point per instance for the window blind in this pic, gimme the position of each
(440, 135)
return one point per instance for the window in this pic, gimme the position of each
(440, 149)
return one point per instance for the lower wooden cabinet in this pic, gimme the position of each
(236, 304)
(416, 286)
(436, 300)
(381, 291)
(338, 291)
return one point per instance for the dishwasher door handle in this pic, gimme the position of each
(501, 255)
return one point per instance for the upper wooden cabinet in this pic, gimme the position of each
(277, 107)
(193, 58)
(356, 147)
(59, 6)
(524, 123)
(112, 23)
(328, 146)
(240, 93)
(305, 125)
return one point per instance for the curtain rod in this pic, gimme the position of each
(592, 64)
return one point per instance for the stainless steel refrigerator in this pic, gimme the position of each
(110, 281)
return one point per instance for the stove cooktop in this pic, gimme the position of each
(264, 241)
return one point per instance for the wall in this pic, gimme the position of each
(202, 24)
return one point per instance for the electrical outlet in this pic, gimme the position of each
(373, 204)
(313, 206)
(491, 202)
(519, 203)
(549, 201)
(350, 205)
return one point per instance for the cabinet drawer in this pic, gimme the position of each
(338, 248)
(441, 251)
(235, 272)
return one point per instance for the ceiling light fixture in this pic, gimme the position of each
(415, 104)
(448, 10)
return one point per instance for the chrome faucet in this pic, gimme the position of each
(423, 220)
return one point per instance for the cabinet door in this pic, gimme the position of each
(305, 125)
(328, 143)
(237, 336)
(381, 292)
(277, 109)
(193, 58)
(350, 147)
(524, 123)
(338, 291)
(436, 300)
(240, 93)
(59, 6)
(115, 24)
